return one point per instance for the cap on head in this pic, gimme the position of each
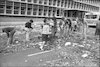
(31, 20)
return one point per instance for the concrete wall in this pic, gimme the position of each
(4, 20)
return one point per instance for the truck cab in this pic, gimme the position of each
(91, 19)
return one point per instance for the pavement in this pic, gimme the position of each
(29, 57)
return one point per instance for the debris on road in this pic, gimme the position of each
(72, 51)
(67, 43)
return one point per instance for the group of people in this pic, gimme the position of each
(10, 31)
(49, 29)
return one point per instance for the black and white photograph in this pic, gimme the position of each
(49, 33)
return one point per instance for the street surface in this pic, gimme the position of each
(31, 57)
(78, 53)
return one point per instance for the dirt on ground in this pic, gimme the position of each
(75, 52)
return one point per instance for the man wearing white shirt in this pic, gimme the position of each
(45, 31)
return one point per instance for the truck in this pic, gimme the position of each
(92, 19)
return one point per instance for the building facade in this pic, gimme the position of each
(14, 11)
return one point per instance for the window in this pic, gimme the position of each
(9, 3)
(1, 11)
(65, 13)
(85, 6)
(58, 12)
(45, 11)
(94, 17)
(29, 5)
(65, 3)
(91, 16)
(54, 2)
(29, 0)
(80, 14)
(23, 8)
(9, 7)
(45, 1)
(35, 9)
(62, 3)
(23, 5)
(23, 12)
(40, 1)
(69, 13)
(16, 12)
(72, 4)
(23, 0)
(2, 6)
(80, 5)
(94, 8)
(34, 1)
(17, 4)
(69, 4)
(75, 4)
(9, 11)
(16, 7)
(97, 8)
(50, 2)
(2, 2)
(61, 12)
(40, 10)
(74, 14)
(29, 9)
(50, 11)
(89, 7)
(58, 4)
(54, 11)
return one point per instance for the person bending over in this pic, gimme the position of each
(10, 31)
